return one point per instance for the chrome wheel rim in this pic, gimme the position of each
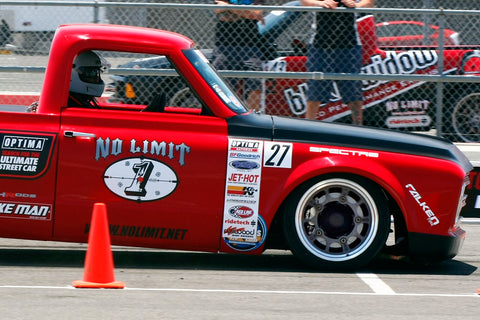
(336, 220)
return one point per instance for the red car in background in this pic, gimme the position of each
(413, 33)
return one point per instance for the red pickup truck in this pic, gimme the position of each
(218, 177)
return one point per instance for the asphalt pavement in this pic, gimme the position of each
(36, 283)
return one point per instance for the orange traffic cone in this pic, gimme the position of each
(98, 271)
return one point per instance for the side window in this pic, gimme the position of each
(128, 84)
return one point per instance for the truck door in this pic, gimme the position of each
(161, 175)
(27, 175)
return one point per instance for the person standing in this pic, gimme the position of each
(237, 45)
(335, 48)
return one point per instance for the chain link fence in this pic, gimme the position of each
(407, 83)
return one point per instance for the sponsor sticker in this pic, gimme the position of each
(242, 244)
(431, 217)
(408, 121)
(242, 190)
(140, 179)
(25, 156)
(25, 210)
(278, 154)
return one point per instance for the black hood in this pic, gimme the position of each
(255, 126)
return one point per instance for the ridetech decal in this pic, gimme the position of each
(242, 187)
(25, 156)
(140, 179)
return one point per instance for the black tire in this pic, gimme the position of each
(336, 223)
(466, 118)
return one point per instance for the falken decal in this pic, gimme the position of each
(24, 155)
(431, 217)
(140, 179)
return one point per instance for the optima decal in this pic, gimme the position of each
(140, 179)
(24, 155)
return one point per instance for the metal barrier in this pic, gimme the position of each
(417, 80)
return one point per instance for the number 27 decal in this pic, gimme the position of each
(277, 154)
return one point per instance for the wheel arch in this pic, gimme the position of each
(376, 174)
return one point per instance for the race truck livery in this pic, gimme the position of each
(399, 105)
(216, 177)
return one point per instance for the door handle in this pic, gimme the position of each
(73, 134)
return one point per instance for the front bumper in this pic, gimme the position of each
(434, 248)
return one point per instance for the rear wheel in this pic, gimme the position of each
(339, 222)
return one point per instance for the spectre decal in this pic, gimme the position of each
(140, 179)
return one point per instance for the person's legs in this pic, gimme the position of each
(357, 112)
(254, 100)
(351, 91)
(312, 109)
(318, 90)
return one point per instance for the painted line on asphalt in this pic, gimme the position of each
(376, 284)
(186, 290)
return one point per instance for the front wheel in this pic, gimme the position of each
(336, 223)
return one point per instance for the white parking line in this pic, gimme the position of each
(186, 290)
(376, 284)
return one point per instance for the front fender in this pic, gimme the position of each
(318, 167)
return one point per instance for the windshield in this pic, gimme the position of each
(223, 91)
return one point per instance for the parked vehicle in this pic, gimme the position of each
(413, 33)
(217, 177)
(33, 26)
